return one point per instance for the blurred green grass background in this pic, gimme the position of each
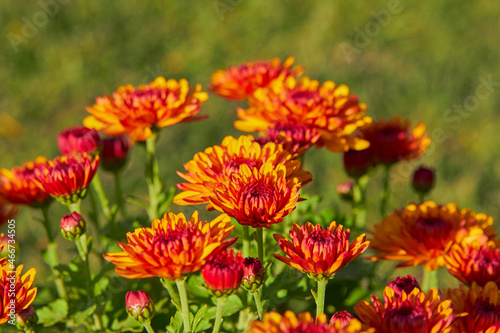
(418, 63)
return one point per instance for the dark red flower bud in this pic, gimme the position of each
(344, 189)
(343, 317)
(253, 274)
(358, 162)
(72, 226)
(406, 284)
(114, 152)
(223, 273)
(423, 179)
(139, 306)
(78, 139)
(26, 319)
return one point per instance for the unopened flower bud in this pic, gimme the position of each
(139, 306)
(223, 273)
(406, 284)
(358, 162)
(72, 226)
(26, 319)
(114, 152)
(343, 317)
(345, 189)
(423, 179)
(78, 139)
(253, 274)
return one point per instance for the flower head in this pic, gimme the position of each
(78, 139)
(273, 322)
(138, 111)
(414, 312)
(477, 263)
(343, 317)
(406, 284)
(66, 177)
(172, 247)
(18, 185)
(320, 252)
(114, 152)
(358, 162)
(223, 272)
(253, 274)
(423, 234)
(216, 164)
(477, 308)
(392, 140)
(328, 110)
(258, 197)
(24, 291)
(72, 226)
(139, 306)
(239, 82)
(423, 179)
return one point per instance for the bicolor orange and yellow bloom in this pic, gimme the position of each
(393, 140)
(471, 263)
(172, 247)
(414, 312)
(328, 110)
(216, 164)
(240, 82)
(18, 185)
(23, 293)
(273, 322)
(258, 197)
(477, 308)
(320, 252)
(67, 177)
(424, 233)
(140, 110)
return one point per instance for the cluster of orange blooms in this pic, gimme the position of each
(256, 181)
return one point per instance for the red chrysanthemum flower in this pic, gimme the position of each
(66, 177)
(173, 247)
(423, 234)
(320, 252)
(358, 162)
(328, 110)
(474, 263)
(24, 291)
(78, 139)
(477, 309)
(414, 312)
(392, 140)
(139, 111)
(18, 185)
(114, 152)
(7, 212)
(223, 272)
(273, 322)
(216, 165)
(258, 197)
(239, 82)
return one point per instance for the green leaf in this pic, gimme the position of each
(53, 313)
(199, 316)
(137, 201)
(196, 286)
(80, 317)
(175, 325)
(233, 304)
(314, 295)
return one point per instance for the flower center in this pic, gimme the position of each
(433, 231)
(233, 166)
(172, 243)
(302, 98)
(483, 315)
(256, 195)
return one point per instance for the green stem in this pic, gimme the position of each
(101, 196)
(430, 280)
(94, 216)
(359, 202)
(246, 241)
(386, 194)
(258, 303)
(153, 177)
(148, 327)
(260, 244)
(218, 314)
(320, 301)
(421, 197)
(52, 258)
(119, 193)
(171, 291)
(181, 285)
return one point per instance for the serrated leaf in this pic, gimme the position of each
(199, 316)
(79, 317)
(196, 286)
(175, 325)
(53, 313)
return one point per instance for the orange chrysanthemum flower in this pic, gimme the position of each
(257, 197)
(477, 308)
(216, 165)
(18, 185)
(172, 247)
(24, 291)
(474, 263)
(239, 82)
(273, 322)
(423, 234)
(327, 110)
(392, 140)
(138, 111)
(414, 312)
(320, 252)
(7, 212)
(66, 177)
